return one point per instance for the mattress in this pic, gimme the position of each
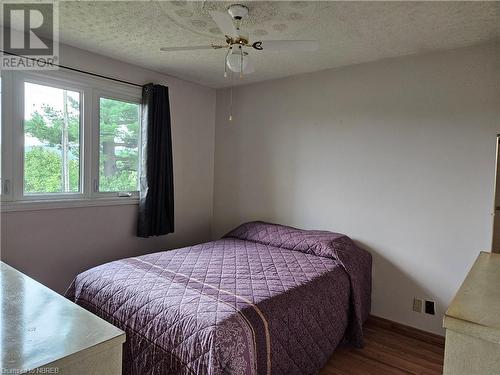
(263, 299)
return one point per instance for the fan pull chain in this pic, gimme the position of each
(241, 64)
(231, 103)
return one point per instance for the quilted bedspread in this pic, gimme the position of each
(264, 299)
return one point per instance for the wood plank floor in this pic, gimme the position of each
(390, 349)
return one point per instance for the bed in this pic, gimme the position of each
(264, 299)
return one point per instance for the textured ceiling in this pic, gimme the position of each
(349, 32)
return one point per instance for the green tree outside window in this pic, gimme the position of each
(53, 166)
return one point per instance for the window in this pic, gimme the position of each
(118, 145)
(75, 140)
(52, 124)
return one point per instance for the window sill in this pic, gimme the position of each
(64, 203)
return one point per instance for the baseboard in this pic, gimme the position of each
(406, 330)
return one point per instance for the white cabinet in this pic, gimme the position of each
(472, 321)
(43, 332)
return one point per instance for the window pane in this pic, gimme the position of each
(51, 139)
(118, 145)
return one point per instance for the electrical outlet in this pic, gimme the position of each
(417, 305)
(430, 307)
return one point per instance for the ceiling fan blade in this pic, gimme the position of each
(289, 45)
(187, 48)
(224, 22)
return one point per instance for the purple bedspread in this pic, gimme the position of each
(264, 299)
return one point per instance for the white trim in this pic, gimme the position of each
(37, 205)
(80, 79)
(87, 143)
(94, 149)
(6, 137)
(17, 131)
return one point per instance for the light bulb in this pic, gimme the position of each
(233, 60)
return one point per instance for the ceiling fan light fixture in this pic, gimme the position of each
(237, 60)
(238, 11)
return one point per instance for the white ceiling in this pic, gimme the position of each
(349, 33)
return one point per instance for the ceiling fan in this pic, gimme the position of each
(237, 41)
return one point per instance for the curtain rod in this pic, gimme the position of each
(76, 70)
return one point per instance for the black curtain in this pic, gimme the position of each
(156, 205)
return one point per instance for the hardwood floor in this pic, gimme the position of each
(390, 348)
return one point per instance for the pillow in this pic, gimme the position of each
(316, 242)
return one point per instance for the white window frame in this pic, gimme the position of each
(12, 147)
(18, 156)
(6, 147)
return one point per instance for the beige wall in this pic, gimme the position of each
(398, 154)
(54, 245)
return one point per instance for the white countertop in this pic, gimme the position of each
(39, 326)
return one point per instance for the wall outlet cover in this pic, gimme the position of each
(417, 305)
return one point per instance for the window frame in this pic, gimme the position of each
(18, 155)
(12, 140)
(6, 138)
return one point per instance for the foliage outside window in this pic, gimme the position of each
(118, 145)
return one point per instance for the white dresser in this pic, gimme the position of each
(472, 321)
(43, 332)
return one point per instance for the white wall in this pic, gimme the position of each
(54, 245)
(398, 154)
